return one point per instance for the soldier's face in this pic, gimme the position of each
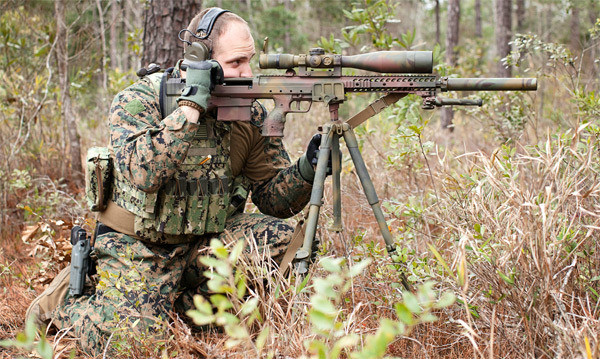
(234, 51)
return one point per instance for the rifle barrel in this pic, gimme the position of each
(492, 84)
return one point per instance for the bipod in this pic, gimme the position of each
(330, 143)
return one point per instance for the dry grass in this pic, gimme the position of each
(516, 237)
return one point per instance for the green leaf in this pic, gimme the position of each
(404, 314)
(376, 345)
(332, 265)
(232, 343)
(226, 319)
(237, 332)
(346, 341)
(428, 318)
(438, 256)
(262, 338)
(200, 318)
(411, 302)
(302, 285)
(44, 348)
(318, 347)
(446, 300)
(237, 250)
(505, 278)
(249, 306)
(218, 248)
(358, 268)
(322, 304)
(221, 302)
(220, 266)
(324, 286)
(321, 321)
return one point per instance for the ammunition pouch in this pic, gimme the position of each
(98, 179)
(179, 210)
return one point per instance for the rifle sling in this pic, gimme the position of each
(295, 244)
(374, 108)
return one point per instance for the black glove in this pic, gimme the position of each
(200, 78)
(308, 162)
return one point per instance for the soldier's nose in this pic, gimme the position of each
(246, 71)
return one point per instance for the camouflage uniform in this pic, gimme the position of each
(143, 275)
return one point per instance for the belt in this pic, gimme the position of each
(103, 229)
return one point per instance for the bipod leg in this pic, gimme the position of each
(368, 187)
(371, 195)
(316, 198)
(336, 169)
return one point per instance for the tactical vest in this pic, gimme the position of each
(196, 200)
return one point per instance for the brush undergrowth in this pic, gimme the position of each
(502, 215)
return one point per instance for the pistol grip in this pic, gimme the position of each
(275, 121)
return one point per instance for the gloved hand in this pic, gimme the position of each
(308, 162)
(201, 78)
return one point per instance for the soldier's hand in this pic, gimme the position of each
(201, 78)
(312, 153)
(308, 162)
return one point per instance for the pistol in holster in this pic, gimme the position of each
(81, 263)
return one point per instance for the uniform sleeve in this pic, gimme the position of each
(277, 187)
(147, 149)
(287, 192)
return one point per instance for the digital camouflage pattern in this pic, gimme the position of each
(98, 178)
(138, 280)
(158, 163)
(194, 200)
(174, 175)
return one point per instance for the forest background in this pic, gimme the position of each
(494, 210)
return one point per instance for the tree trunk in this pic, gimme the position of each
(593, 13)
(163, 21)
(451, 42)
(437, 21)
(520, 16)
(115, 57)
(103, 74)
(575, 43)
(287, 40)
(503, 35)
(69, 122)
(478, 29)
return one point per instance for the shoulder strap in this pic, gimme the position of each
(168, 89)
(163, 91)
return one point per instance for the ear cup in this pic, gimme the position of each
(197, 51)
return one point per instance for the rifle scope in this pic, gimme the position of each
(381, 61)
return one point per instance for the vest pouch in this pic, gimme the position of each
(217, 205)
(98, 178)
(239, 195)
(197, 204)
(172, 206)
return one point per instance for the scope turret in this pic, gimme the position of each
(381, 61)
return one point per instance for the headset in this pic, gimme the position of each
(203, 30)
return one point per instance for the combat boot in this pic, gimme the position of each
(42, 308)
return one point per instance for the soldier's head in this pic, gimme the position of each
(229, 42)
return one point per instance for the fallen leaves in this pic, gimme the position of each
(49, 244)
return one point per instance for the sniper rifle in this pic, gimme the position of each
(318, 77)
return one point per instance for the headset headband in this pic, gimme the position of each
(208, 21)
